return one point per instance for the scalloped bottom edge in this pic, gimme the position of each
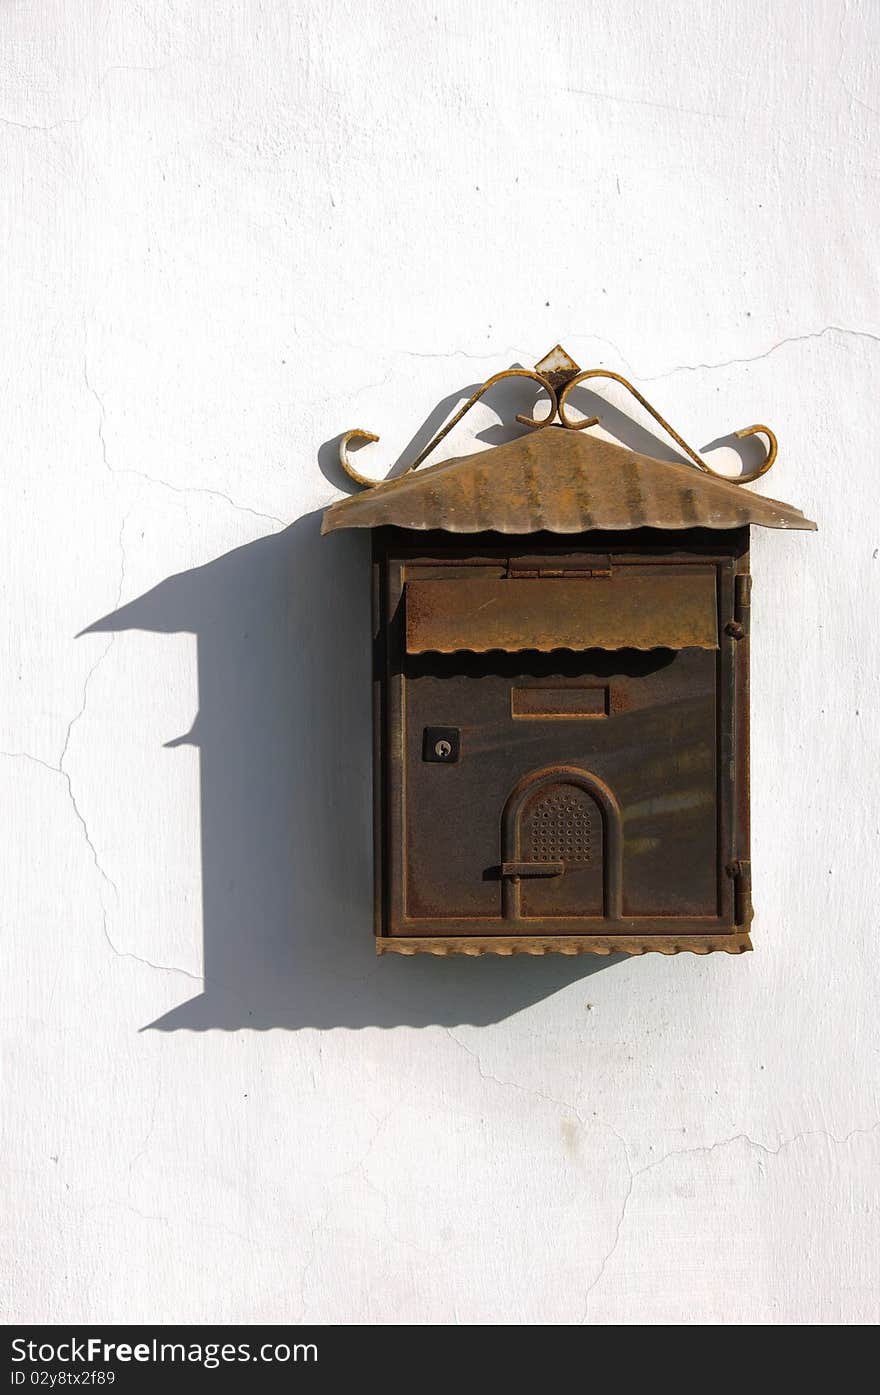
(474, 946)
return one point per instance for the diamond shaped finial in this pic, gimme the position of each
(557, 367)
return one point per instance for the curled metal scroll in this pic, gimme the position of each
(358, 435)
(746, 478)
(558, 390)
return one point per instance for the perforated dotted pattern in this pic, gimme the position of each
(560, 826)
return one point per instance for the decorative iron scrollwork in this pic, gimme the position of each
(589, 373)
(359, 435)
(558, 375)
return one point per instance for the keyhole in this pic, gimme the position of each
(443, 749)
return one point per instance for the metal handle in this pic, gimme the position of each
(532, 869)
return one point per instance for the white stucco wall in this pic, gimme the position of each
(232, 231)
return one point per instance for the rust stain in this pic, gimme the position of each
(689, 506)
(570, 1136)
(632, 490)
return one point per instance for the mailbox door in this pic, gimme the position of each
(557, 790)
(553, 848)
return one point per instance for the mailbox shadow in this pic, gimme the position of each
(285, 747)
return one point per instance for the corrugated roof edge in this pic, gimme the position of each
(559, 482)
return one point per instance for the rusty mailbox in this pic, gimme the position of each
(561, 690)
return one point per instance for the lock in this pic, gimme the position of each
(441, 745)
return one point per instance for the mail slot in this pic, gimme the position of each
(542, 703)
(561, 639)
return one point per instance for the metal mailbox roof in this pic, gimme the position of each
(561, 482)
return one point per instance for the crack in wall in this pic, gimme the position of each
(514, 1085)
(644, 102)
(839, 65)
(572, 1109)
(151, 1128)
(394, 353)
(622, 361)
(708, 1148)
(765, 353)
(397, 354)
(614, 1244)
(106, 878)
(49, 127)
(359, 1169)
(261, 1246)
(635, 1173)
(316, 1232)
(60, 768)
(156, 479)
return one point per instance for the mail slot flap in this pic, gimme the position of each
(635, 607)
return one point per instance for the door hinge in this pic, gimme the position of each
(740, 870)
(740, 625)
(531, 567)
